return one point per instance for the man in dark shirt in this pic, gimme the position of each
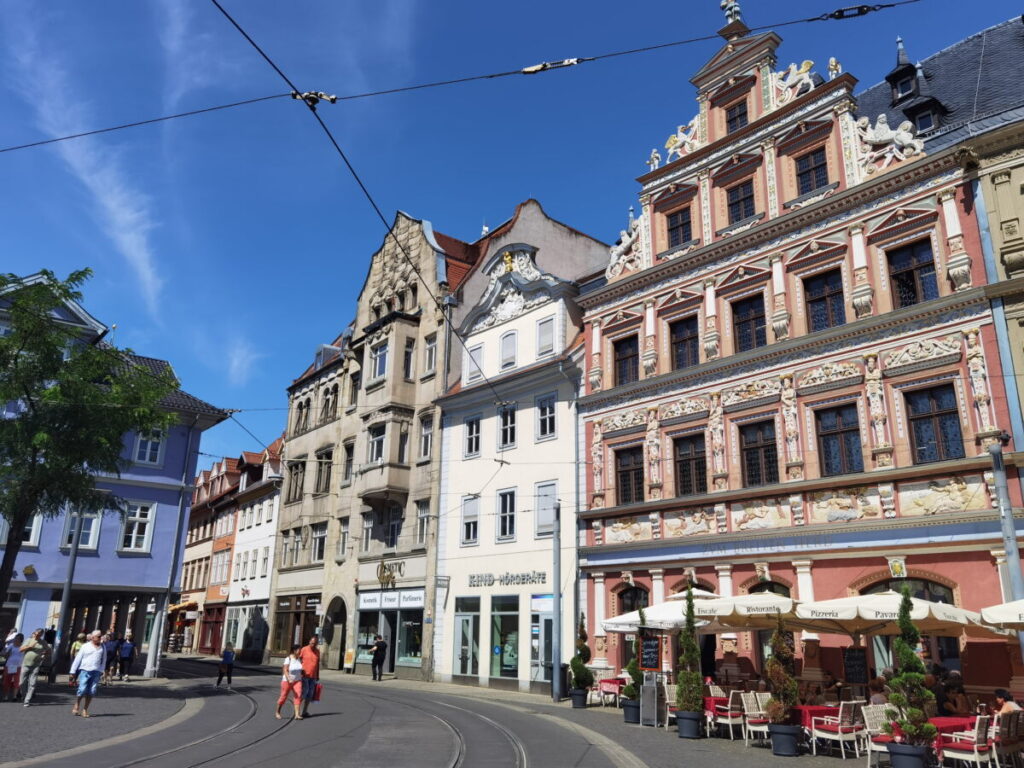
(380, 652)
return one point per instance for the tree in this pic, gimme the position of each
(68, 402)
(582, 677)
(690, 687)
(779, 671)
(908, 719)
(632, 690)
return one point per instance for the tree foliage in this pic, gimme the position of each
(632, 690)
(690, 687)
(66, 407)
(909, 698)
(779, 671)
(582, 677)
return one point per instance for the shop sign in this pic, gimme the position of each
(191, 615)
(389, 599)
(411, 598)
(389, 572)
(312, 601)
(369, 600)
(507, 579)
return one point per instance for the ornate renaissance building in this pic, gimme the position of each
(796, 365)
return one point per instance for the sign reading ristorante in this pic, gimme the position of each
(507, 579)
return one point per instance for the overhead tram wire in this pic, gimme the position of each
(839, 15)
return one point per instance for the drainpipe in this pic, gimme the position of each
(575, 602)
(164, 602)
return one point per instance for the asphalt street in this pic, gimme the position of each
(187, 723)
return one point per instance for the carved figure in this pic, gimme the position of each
(792, 80)
(623, 420)
(653, 446)
(835, 69)
(732, 11)
(883, 143)
(654, 161)
(924, 349)
(508, 261)
(842, 507)
(949, 496)
(627, 529)
(716, 433)
(597, 458)
(623, 255)
(684, 407)
(752, 390)
(754, 517)
(979, 378)
(876, 399)
(829, 373)
(789, 417)
(683, 141)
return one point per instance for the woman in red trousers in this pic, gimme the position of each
(291, 682)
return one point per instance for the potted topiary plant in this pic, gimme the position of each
(582, 677)
(631, 693)
(689, 685)
(785, 694)
(912, 734)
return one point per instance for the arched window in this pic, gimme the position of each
(631, 599)
(944, 651)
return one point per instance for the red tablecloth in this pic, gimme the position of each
(802, 714)
(953, 724)
(710, 702)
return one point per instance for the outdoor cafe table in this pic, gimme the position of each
(710, 702)
(803, 714)
(952, 724)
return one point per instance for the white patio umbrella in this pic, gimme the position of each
(667, 615)
(1005, 615)
(714, 614)
(876, 614)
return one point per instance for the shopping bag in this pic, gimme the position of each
(317, 690)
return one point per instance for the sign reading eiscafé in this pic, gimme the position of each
(507, 579)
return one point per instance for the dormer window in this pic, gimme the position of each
(925, 121)
(736, 116)
(904, 87)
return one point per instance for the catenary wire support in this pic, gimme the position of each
(312, 98)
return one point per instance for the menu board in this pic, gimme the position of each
(855, 664)
(650, 653)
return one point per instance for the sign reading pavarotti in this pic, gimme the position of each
(507, 579)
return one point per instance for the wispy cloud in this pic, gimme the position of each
(123, 211)
(240, 359)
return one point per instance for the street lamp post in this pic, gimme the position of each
(556, 606)
(1008, 529)
(65, 596)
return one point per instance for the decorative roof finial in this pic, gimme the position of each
(631, 218)
(732, 11)
(901, 53)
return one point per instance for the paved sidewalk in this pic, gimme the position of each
(48, 725)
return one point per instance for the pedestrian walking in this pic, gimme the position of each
(86, 670)
(111, 645)
(310, 658)
(12, 667)
(77, 645)
(227, 664)
(291, 682)
(35, 651)
(126, 656)
(50, 636)
(380, 653)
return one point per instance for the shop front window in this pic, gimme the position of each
(410, 639)
(369, 622)
(631, 599)
(505, 636)
(467, 639)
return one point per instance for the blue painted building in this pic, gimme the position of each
(125, 565)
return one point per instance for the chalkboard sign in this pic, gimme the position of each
(855, 663)
(650, 653)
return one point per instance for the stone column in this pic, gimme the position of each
(770, 173)
(863, 294)
(123, 607)
(600, 638)
(958, 263)
(139, 621)
(730, 665)
(596, 372)
(707, 230)
(780, 314)
(649, 358)
(92, 619)
(711, 335)
(811, 642)
(107, 613)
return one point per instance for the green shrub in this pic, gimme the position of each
(779, 671)
(690, 687)
(909, 696)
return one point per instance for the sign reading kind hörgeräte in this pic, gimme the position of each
(507, 579)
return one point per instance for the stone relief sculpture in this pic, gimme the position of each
(683, 141)
(652, 448)
(792, 80)
(624, 420)
(624, 256)
(597, 459)
(789, 419)
(511, 304)
(833, 506)
(688, 523)
(954, 494)
(685, 407)
(925, 350)
(880, 142)
(758, 515)
(752, 390)
(979, 378)
(828, 374)
(716, 437)
(627, 529)
(876, 400)
(654, 161)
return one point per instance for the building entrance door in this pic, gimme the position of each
(540, 646)
(467, 646)
(388, 623)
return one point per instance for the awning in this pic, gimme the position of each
(191, 604)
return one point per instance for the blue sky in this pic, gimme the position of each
(233, 243)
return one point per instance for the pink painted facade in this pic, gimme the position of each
(793, 372)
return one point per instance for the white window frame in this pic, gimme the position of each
(470, 518)
(376, 441)
(133, 518)
(409, 359)
(34, 528)
(429, 354)
(341, 551)
(394, 530)
(926, 113)
(543, 401)
(92, 542)
(296, 545)
(507, 355)
(475, 363)
(244, 568)
(317, 542)
(422, 521)
(265, 565)
(469, 438)
(252, 564)
(272, 506)
(506, 515)
(379, 360)
(146, 441)
(285, 549)
(348, 467)
(550, 350)
(426, 436)
(507, 427)
(539, 494)
(366, 536)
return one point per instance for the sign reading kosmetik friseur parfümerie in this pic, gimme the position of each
(507, 579)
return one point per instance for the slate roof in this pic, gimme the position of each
(977, 81)
(179, 399)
